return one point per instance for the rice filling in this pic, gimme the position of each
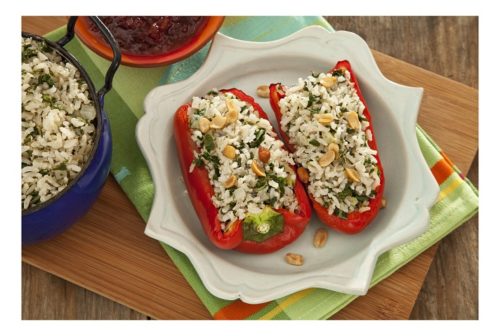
(245, 181)
(324, 119)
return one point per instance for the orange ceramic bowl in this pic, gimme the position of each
(100, 47)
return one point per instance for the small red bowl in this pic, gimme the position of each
(100, 47)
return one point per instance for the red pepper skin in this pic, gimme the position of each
(201, 191)
(355, 221)
(199, 188)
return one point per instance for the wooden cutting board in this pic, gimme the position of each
(108, 253)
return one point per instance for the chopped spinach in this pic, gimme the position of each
(259, 138)
(314, 142)
(49, 99)
(311, 100)
(46, 78)
(212, 93)
(345, 193)
(46, 47)
(208, 142)
(261, 183)
(339, 213)
(28, 52)
(61, 166)
(215, 162)
(270, 201)
(281, 182)
(338, 72)
(362, 198)
(198, 162)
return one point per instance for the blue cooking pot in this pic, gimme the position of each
(52, 217)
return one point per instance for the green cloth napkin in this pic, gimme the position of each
(124, 106)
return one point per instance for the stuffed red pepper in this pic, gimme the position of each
(324, 121)
(239, 175)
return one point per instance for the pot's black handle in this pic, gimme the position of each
(117, 56)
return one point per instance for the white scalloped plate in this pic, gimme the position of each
(346, 263)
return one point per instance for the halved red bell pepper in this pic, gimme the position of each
(355, 221)
(201, 191)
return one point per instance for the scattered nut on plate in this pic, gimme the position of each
(320, 238)
(263, 91)
(294, 259)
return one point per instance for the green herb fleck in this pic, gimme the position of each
(259, 138)
(46, 78)
(338, 72)
(344, 193)
(270, 201)
(49, 99)
(339, 213)
(198, 162)
(314, 142)
(215, 162)
(46, 47)
(213, 93)
(208, 142)
(311, 100)
(27, 53)
(61, 166)
(261, 183)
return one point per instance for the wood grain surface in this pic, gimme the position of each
(445, 46)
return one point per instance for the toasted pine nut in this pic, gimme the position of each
(204, 124)
(303, 174)
(230, 182)
(328, 82)
(294, 259)
(229, 152)
(218, 122)
(324, 118)
(263, 91)
(320, 238)
(352, 175)
(258, 170)
(327, 158)
(352, 119)
(383, 204)
(264, 154)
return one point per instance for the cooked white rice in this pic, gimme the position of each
(57, 129)
(251, 193)
(329, 185)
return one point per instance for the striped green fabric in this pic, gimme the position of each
(458, 199)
